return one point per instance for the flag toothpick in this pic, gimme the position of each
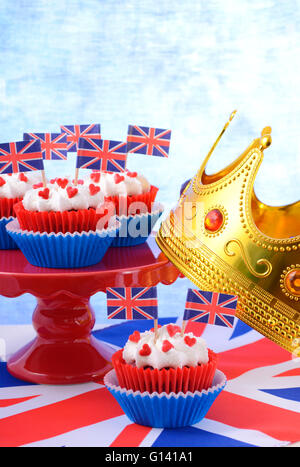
(44, 178)
(101, 154)
(155, 330)
(133, 303)
(74, 132)
(210, 308)
(183, 327)
(21, 156)
(148, 141)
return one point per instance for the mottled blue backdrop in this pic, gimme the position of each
(176, 64)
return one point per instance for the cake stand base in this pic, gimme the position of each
(64, 351)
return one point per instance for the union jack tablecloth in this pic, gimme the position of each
(260, 405)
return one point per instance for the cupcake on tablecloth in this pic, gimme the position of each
(165, 379)
(12, 190)
(57, 225)
(132, 198)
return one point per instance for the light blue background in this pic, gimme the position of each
(183, 65)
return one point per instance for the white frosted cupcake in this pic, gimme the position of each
(130, 192)
(171, 362)
(12, 190)
(60, 208)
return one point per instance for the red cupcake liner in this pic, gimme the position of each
(82, 220)
(122, 203)
(7, 207)
(167, 379)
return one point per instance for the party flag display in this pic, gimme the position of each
(53, 145)
(101, 154)
(132, 303)
(74, 132)
(149, 141)
(210, 307)
(20, 156)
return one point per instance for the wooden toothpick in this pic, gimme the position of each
(155, 330)
(184, 323)
(76, 177)
(44, 178)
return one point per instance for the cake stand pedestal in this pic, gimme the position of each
(64, 350)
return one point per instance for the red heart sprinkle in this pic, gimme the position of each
(2, 181)
(118, 178)
(62, 182)
(23, 178)
(96, 177)
(135, 337)
(38, 185)
(72, 191)
(52, 181)
(132, 174)
(145, 351)
(94, 189)
(167, 346)
(172, 330)
(44, 193)
(190, 341)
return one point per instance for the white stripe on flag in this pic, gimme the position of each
(254, 437)
(100, 434)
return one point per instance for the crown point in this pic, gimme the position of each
(232, 115)
(266, 138)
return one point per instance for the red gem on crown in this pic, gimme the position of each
(213, 220)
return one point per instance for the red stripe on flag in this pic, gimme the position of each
(131, 436)
(264, 352)
(245, 413)
(9, 402)
(292, 372)
(60, 417)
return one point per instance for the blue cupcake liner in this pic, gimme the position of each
(135, 229)
(6, 242)
(74, 250)
(165, 410)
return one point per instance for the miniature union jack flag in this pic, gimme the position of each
(54, 145)
(101, 154)
(21, 156)
(210, 307)
(74, 132)
(149, 141)
(132, 303)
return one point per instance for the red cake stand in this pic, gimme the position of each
(64, 351)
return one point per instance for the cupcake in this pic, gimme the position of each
(12, 190)
(60, 207)
(168, 382)
(131, 197)
(57, 225)
(125, 188)
(171, 362)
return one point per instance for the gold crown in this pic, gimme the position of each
(223, 238)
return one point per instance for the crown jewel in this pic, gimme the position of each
(223, 238)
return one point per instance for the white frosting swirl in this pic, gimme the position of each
(123, 183)
(171, 350)
(69, 198)
(17, 184)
